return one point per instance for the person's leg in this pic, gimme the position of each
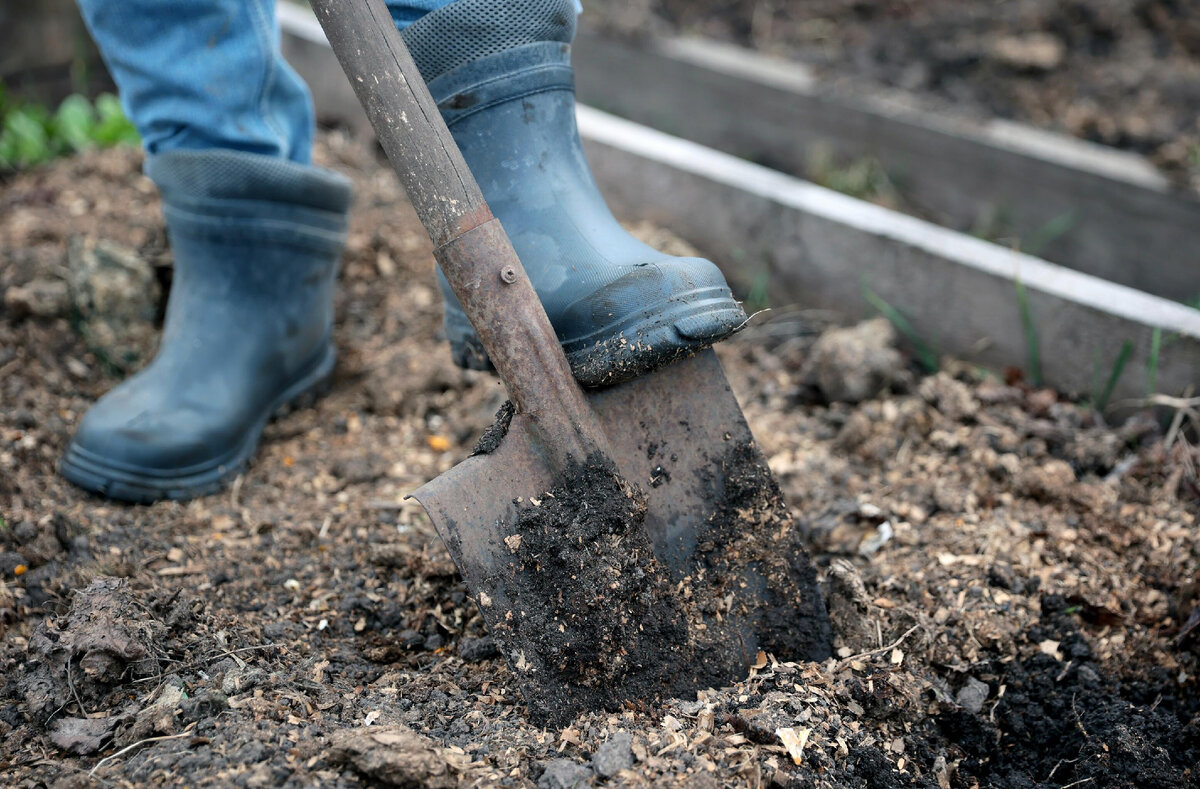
(203, 74)
(256, 233)
(500, 71)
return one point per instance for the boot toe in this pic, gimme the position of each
(131, 450)
(649, 317)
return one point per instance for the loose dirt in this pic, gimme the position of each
(589, 619)
(1009, 576)
(1117, 72)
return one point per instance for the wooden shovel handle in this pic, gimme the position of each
(473, 250)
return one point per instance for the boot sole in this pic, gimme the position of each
(621, 351)
(100, 475)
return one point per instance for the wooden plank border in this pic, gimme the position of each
(1123, 223)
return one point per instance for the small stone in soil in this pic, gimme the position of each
(972, 696)
(564, 774)
(614, 756)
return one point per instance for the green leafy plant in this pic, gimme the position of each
(864, 177)
(926, 355)
(30, 134)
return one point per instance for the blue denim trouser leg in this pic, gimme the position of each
(200, 74)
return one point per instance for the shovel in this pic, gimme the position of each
(624, 545)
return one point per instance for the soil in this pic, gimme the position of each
(590, 620)
(1009, 577)
(1118, 72)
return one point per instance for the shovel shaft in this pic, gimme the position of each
(473, 250)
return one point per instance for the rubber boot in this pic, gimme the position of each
(248, 326)
(500, 72)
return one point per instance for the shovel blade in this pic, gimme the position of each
(714, 516)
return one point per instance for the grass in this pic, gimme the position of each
(1050, 232)
(996, 226)
(31, 134)
(758, 297)
(926, 355)
(864, 178)
(1101, 398)
(1033, 343)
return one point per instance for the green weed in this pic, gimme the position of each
(864, 178)
(1101, 398)
(30, 134)
(1033, 343)
(1050, 232)
(758, 297)
(926, 355)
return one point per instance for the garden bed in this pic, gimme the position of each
(1011, 580)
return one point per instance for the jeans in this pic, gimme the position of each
(200, 74)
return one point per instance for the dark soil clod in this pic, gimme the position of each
(105, 638)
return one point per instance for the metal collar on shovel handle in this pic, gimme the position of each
(602, 595)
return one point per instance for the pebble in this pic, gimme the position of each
(41, 298)
(972, 696)
(614, 756)
(564, 774)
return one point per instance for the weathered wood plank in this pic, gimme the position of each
(1125, 225)
(821, 248)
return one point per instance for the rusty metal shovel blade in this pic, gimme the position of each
(716, 519)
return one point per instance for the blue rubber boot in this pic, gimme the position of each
(500, 72)
(248, 329)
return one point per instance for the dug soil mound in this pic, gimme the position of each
(1009, 577)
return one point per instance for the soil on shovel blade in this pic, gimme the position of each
(589, 619)
(1012, 581)
(592, 618)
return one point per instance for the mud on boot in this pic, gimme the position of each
(501, 75)
(248, 329)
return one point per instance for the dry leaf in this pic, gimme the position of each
(794, 741)
(1050, 647)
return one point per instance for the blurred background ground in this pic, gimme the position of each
(1124, 73)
